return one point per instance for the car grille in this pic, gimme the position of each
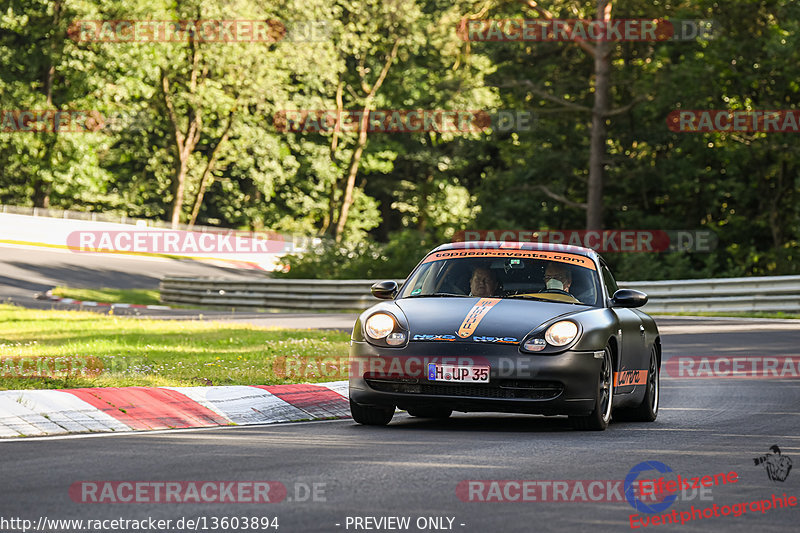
(503, 389)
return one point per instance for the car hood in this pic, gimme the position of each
(490, 317)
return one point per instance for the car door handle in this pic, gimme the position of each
(641, 329)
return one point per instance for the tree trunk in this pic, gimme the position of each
(601, 53)
(328, 221)
(184, 144)
(597, 145)
(50, 71)
(42, 188)
(41, 193)
(355, 161)
(179, 185)
(205, 181)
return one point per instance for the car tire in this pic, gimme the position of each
(599, 418)
(371, 416)
(647, 411)
(430, 412)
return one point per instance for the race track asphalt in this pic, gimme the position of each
(412, 468)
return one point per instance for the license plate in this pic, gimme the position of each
(459, 373)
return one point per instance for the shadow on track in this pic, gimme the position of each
(488, 423)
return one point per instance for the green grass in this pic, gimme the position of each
(72, 349)
(754, 314)
(114, 296)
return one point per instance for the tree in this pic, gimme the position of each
(46, 72)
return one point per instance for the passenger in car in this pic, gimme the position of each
(557, 276)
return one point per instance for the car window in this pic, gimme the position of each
(414, 285)
(513, 274)
(608, 280)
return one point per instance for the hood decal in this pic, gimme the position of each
(437, 319)
(475, 315)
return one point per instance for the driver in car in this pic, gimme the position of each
(483, 283)
(557, 277)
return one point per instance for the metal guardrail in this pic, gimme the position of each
(297, 294)
(768, 294)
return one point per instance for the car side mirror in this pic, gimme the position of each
(385, 290)
(628, 298)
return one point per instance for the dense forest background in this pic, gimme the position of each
(190, 133)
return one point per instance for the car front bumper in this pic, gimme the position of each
(562, 384)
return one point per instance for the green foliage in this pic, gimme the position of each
(359, 259)
(415, 190)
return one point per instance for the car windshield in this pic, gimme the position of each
(523, 274)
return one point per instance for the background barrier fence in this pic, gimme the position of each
(767, 294)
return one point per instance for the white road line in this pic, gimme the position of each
(759, 413)
(687, 409)
(762, 437)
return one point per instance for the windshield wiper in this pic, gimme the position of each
(539, 299)
(526, 296)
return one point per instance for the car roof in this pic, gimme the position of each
(507, 245)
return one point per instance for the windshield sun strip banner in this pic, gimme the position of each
(560, 257)
(475, 315)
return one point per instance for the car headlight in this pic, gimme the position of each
(379, 325)
(561, 333)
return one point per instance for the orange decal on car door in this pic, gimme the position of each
(630, 377)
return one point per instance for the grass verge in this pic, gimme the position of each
(114, 296)
(74, 349)
(151, 297)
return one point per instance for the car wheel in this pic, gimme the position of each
(430, 412)
(601, 415)
(647, 411)
(371, 416)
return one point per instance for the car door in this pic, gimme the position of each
(631, 338)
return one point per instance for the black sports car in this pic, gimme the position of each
(506, 327)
